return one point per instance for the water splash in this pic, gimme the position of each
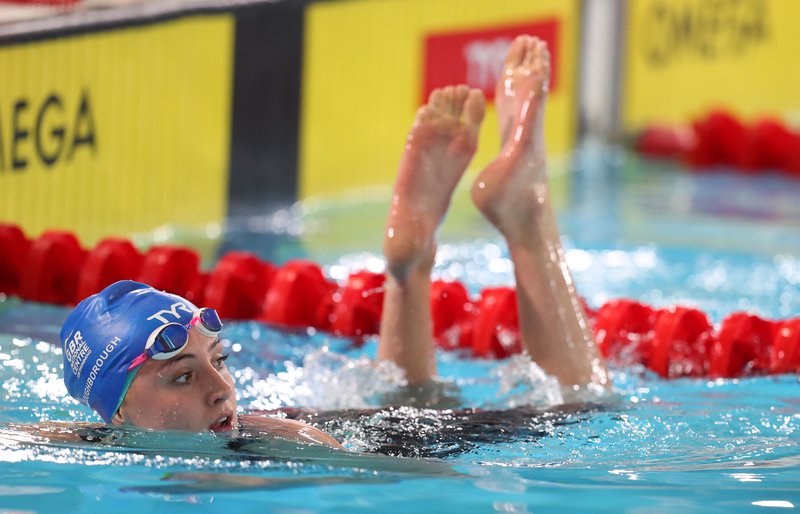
(522, 382)
(326, 380)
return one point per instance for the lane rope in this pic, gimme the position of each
(720, 139)
(674, 341)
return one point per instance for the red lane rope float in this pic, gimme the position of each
(108, 262)
(298, 297)
(495, 331)
(238, 284)
(173, 268)
(50, 271)
(743, 346)
(13, 252)
(622, 328)
(681, 339)
(785, 356)
(673, 342)
(721, 139)
(357, 305)
(453, 315)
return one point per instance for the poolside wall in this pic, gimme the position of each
(188, 113)
(368, 65)
(115, 122)
(683, 58)
(185, 113)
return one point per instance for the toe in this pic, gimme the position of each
(544, 51)
(459, 97)
(424, 114)
(436, 100)
(447, 95)
(474, 108)
(516, 52)
(531, 53)
(539, 51)
(540, 61)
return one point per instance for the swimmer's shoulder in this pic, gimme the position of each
(64, 432)
(291, 429)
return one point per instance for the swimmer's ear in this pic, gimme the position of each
(117, 419)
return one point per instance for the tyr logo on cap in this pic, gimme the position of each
(172, 311)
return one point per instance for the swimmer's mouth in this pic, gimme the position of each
(223, 424)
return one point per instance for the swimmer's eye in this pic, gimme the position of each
(221, 361)
(184, 378)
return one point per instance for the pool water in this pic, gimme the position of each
(722, 242)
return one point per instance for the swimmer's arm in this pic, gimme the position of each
(289, 429)
(70, 432)
(281, 437)
(279, 448)
(56, 432)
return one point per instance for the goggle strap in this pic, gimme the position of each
(138, 360)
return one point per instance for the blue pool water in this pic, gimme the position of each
(719, 241)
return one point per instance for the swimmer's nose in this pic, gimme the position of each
(219, 389)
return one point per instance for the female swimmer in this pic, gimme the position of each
(149, 359)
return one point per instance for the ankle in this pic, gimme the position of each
(527, 218)
(403, 268)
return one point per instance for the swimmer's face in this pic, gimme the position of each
(192, 392)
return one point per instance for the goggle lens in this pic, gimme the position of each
(210, 320)
(168, 342)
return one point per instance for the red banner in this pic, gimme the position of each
(475, 57)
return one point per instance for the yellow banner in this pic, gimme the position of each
(368, 64)
(117, 132)
(685, 57)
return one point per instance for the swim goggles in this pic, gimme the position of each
(169, 340)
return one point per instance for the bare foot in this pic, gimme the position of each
(440, 145)
(512, 191)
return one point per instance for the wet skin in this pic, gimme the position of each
(194, 392)
(512, 192)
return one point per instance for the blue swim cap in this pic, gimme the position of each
(106, 332)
